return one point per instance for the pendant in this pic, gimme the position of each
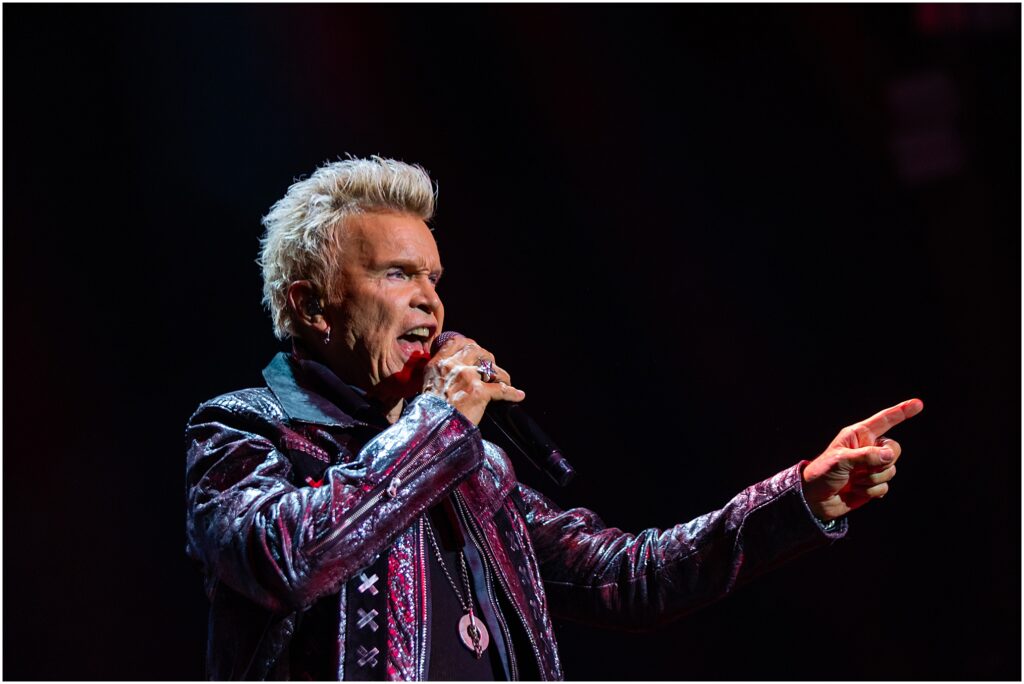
(473, 634)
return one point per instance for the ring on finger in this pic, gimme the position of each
(486, 369)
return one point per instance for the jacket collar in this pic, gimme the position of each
(293, 381)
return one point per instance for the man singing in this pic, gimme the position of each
(350, 520)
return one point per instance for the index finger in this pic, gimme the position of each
(454, 345)
(886, 419)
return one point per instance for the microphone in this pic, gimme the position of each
(511, 421)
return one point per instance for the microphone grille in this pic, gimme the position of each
(442, 338)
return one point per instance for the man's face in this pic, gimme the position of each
(385, 312)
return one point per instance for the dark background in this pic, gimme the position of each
(703, 239)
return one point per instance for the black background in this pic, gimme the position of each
(702, 238)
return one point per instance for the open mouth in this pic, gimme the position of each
(416, 340)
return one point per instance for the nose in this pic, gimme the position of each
(425, 298)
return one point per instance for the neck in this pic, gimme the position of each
(390, 407)
(394, 412)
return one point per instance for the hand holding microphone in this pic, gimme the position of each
(464, 374)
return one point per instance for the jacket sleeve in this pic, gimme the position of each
(284, 546)
(603, 575)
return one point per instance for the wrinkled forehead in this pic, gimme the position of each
(375, 238)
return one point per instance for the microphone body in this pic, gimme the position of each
(522, 432)
(532, 442)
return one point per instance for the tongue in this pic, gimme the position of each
(411, 344)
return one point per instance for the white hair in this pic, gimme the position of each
(302, 228)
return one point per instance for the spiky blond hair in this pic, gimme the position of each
(302, 242)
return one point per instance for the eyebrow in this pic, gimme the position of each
(411, 264)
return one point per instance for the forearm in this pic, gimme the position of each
(604, 575)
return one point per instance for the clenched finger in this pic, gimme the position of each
(474, 352)
(892, 444)
(501, 375)
(474, 355)
(856, 496)
(877, 491)
(489, 371)
(869, 457)
(501, 391)
(870, 479)
(453, 346)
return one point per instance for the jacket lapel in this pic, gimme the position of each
(298, 400)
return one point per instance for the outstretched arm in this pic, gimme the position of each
(599, 574)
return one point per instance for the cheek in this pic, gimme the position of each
(370, 325)
(381, 330)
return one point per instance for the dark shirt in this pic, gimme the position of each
(449, 657)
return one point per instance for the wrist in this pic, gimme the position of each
(816, 496)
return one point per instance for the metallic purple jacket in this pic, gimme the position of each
(283, 512)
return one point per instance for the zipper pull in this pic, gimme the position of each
(393, 486)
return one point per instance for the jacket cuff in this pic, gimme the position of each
(834, 529)
(780, 524)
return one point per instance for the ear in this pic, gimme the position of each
(307, 309)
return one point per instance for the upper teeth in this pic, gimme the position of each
(419, 332)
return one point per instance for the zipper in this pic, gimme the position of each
(478, 538)
(406, 472)
(409, 470)
(498, 613)
(510, 647)
(421, 664)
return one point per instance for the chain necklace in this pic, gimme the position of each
(472, 632)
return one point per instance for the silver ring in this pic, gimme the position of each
(486, 370)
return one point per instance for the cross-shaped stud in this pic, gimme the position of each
(367, 619)
(368, 583)
(367, 656)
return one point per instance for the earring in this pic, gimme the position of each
(327, 340)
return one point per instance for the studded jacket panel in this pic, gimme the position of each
(283, 512)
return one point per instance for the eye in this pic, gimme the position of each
(435, 278)
(397, 274)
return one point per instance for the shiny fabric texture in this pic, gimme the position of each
(282, 511)
(406, 572)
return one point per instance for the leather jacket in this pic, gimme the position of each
(291, 501)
